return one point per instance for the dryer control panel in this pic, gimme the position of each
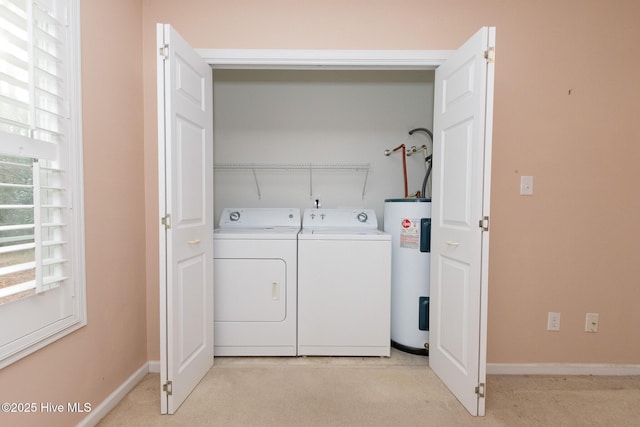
(259, 217)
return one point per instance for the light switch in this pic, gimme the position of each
(526, 185)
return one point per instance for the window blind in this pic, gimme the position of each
(33, 76)
(34, 113)
(41, 185)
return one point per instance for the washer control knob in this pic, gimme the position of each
(234, 216)
(362, 217)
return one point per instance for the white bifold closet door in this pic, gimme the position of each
(185, 135)
(463, 105)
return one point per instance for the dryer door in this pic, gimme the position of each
(250, 290)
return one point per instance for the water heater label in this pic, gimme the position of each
(410, 233)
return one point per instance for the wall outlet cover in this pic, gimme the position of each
(526, 185)
(592, 322)
(553, 321)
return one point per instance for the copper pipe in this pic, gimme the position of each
(404, 165)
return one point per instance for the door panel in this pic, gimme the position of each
(459, 257)
(190, 331)
(191, 150)
(456, 147)
(185, 152)
(453, 325)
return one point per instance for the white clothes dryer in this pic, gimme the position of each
(255, 268)
(344, 284)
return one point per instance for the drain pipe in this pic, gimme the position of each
(428, 159)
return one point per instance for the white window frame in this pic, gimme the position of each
(74, 292)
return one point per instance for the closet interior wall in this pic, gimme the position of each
(330, 118)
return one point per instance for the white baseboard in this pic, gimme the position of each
(100, 411)
(561, 369)
(154, 366)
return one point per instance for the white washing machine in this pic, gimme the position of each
(344, 284)
(255, 267)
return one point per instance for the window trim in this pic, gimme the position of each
(42, 337)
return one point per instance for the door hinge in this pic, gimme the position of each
(490, 54)
(480, 390)
(484, 223)
(164, 52)
(166, 221)
(168, 388)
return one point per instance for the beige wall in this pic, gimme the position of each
(565, 112)
(89, 364)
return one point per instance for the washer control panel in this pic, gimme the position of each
(340, 218)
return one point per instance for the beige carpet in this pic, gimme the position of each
(398, 391)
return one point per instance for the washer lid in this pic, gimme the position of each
(342, 233)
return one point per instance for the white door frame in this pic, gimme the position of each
(325, 59)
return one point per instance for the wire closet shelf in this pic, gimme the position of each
(254, 168)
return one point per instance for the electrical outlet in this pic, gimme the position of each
(592, 322)
(526, 185)
(553, 321)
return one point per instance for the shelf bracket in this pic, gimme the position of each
(255, 177)
(364, 186)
